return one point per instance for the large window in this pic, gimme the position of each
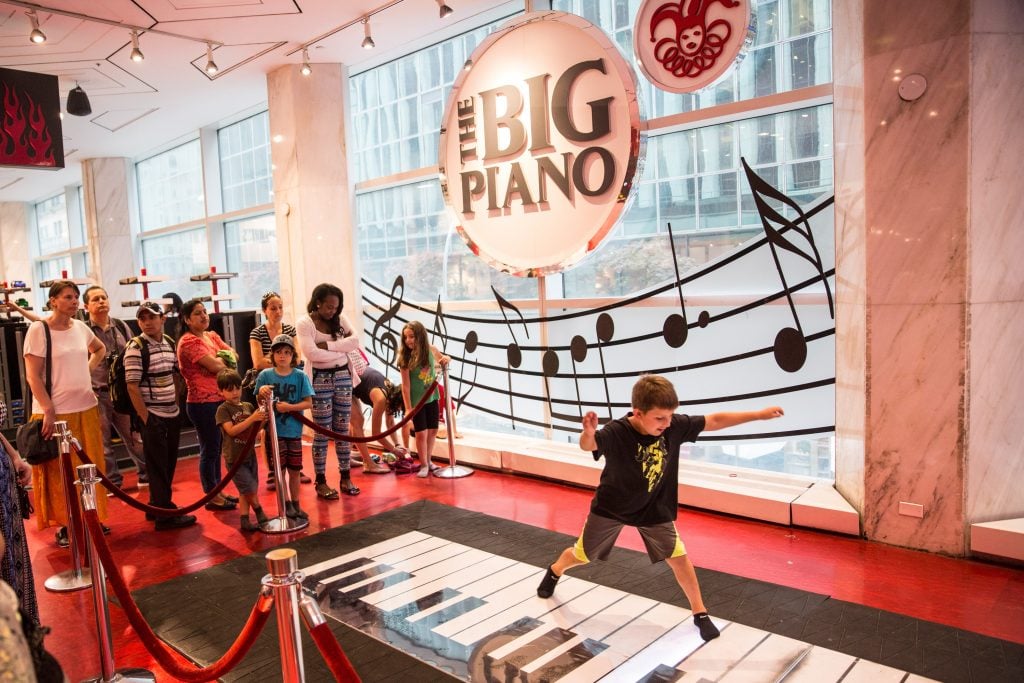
(245, 174)
(171, 187)
(58, 243)
(52, 232)
(178, 256)
(252, 253)
(693, 180)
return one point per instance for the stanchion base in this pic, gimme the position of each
(126, 675)
(283, 525)
(452, 472)
(70, 580)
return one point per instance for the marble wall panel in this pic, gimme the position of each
(892, 26)
(108, 228)
(915, 441)
(15, 262)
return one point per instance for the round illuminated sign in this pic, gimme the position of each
(540, 143)
(688, 45)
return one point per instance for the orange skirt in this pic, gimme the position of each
(51, 508)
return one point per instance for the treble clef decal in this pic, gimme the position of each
(790, 343)
(387, 338)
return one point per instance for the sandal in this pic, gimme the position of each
(304, 478)
(326, 492)
(350, 489)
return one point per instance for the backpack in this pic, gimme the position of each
(119, 396)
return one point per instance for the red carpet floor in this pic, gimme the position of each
(975, 596)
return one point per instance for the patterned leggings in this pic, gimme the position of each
(332, 407)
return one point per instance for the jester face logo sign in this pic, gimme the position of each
(687, 45)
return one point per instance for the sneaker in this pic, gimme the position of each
(547, 585)
(707, 628)
(271, 484)
(304, 479)
(248, 525)
(62, 537)
(261, 517)
(424, 472)
(178, 522)
(143, 481)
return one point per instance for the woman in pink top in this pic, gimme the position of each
(74, 351)
(201, 355)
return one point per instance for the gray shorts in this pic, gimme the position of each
(599, 533)
(245, 478)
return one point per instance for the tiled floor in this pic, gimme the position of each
(974, 596)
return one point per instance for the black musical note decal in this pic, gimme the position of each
(387, 339)
(605, 332)
(578, 353)
(549, 364)
(675, 329)
(790, 344)
(440, 329)
(468, 346)
(514, 353)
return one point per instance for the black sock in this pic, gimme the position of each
(707, 628)
(547, 585)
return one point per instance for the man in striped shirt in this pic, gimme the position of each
(154, 386)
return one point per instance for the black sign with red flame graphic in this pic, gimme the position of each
(30, 127)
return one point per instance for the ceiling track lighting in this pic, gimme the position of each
(367, 43)
(211, 66)
(444, 10)
(37, 36)
(306, 68)
(136, 55)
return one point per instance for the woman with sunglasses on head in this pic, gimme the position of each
(201, 355)
(74, 351)
(260, 341)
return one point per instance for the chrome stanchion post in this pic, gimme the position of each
(281, 524)
(88, 479)
(285, 581)
(76, 578)
(452, 471)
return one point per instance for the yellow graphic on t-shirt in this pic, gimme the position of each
(652, 460)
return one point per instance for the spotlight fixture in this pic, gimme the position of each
(306, 68)
(211, 67)
(136, 55)
(367, 43)
(37, 36)
(78, 102)
(444, 10)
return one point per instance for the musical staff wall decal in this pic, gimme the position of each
(765, 312)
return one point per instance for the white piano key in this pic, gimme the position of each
(870, 672)
(455, 581)
(769, 661)
(523, 588)
(597, 627)
(368, 551)
(677, 644)
(634, 636)
(718, 656)
(573, 602)
(391, 556)
(424, 580)
(821, 664)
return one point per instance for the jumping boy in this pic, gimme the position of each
(639, 485)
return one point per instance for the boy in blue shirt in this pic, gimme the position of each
(294, 393)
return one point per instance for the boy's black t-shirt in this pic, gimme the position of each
(640, 481)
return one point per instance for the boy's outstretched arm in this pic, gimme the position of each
(587, 440)
(722, 420)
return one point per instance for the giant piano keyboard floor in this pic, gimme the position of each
(476, 615)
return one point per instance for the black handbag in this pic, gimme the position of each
(35, 449)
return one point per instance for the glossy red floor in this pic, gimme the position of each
(972, 595)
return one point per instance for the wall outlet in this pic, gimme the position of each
(911, 509)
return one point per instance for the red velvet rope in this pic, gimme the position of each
(163, 654)
(75, 513)
(174, 512)
(333, 655)
(373, 437)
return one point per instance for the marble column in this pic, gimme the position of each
(108, 210)
(311, 185)
(909, 175)
(995, 378)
